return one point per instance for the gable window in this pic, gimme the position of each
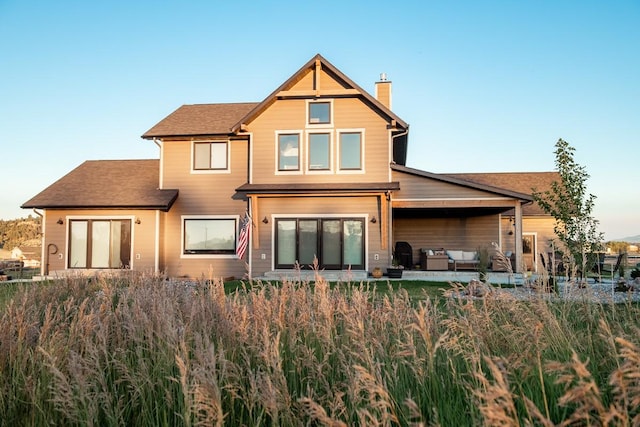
(319, 152)
(209, 236)
(210, 156)
(350, 150)
(319, 113)
(100, 243)
(288, 152)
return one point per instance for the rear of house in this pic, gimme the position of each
(319, 167)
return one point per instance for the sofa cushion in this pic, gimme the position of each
(469, 256)
(455, 255)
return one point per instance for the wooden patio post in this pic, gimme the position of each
(518, 236)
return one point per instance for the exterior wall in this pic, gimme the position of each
(142, 236)
(416, 187)
(467, 234)
(542, 226)
(208, 194)
(316, 207)
(290, 115)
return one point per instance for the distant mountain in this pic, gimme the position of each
(632, 239)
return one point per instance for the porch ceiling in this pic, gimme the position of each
(447, 212)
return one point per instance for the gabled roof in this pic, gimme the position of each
(453, 179)
(523, 182)
(107, 184)
(337, 74)
(200, 119)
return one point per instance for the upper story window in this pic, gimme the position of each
(288, 151)
(210, 155)
(319, 113)
(319, 152)
(350, 151)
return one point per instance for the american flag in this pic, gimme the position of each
(243, 239)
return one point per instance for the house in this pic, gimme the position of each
(319, 166)
(29, 255)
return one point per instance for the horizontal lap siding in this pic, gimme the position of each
(290, 115)
(449, 233)
(415, 187)
(201, 194)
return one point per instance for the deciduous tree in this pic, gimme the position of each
(572, 207)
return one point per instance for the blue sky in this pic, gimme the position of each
(487, 86)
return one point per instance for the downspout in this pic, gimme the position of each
(42, 246)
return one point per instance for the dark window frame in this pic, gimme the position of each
(209, 251)
(360, 166)
(279, 142)
(311, 116)
(342, 265)
(126, 243)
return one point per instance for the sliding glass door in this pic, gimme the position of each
(100, 243)
(337, 243)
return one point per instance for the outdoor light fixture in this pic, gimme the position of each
(265, 220)
(138, 221)
(374, 220)
(60, 221)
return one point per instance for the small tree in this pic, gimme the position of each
(568, 202)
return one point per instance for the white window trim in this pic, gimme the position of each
(308, 151)
(207, 256)
(318, 125)
(362, 152)
(67, 220)
(209, 171)
(301, 151)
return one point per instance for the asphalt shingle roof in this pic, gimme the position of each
(107, 184)
(200, 119)
(522, 182)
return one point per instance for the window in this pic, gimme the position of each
(288, 152)
(350, 151)
(100, 243)
(319, 144)
(209, 236)
(212, 155)
(337, 243)
(319, 113)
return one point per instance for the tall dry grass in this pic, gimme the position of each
(144, 350)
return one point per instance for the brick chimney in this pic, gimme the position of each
(383, 90)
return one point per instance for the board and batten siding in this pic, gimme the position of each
(467, 234)
(201, 194)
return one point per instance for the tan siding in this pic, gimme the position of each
(288, 115)
(448, 233)
(412, 187)
(201, 194)
(143, 235)
(542, 226)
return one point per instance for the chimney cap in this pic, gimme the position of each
(383, 77)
